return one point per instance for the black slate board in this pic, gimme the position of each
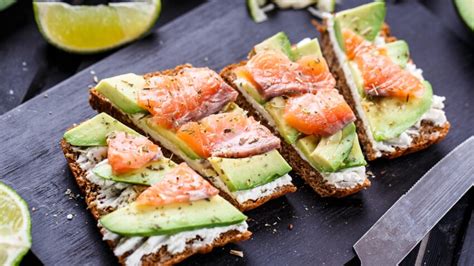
(216, 34)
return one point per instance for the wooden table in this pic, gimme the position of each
(29, 66)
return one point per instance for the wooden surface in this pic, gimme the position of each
(216, 34)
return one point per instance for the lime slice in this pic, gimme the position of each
(4, 4)
(88, 29)
(465, 9)
(15, 227)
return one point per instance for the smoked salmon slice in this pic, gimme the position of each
(128, 152)
(181, 184)
(275, 74)
(322, 113)
(190, 95)
(231, 135)
(382, 76)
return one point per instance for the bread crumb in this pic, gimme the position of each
(237, 253)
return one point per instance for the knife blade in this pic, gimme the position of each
(405, 224)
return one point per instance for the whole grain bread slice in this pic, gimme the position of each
(429, 133)
(161, 257)
(299, 165)
(101, 104)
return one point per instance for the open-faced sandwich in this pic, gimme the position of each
(396, 110)
(294, 93)
(191, 112)
(150, 210)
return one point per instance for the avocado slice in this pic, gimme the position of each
(465, 9)
(122, 91)
(365, 20)
(355, 157)
(233, 108)
(307, 145)
(331, 151)
(276, 108)
(399, 53)
(94, 131)
(148, 175)
(389, 117)
(307, 47)
(357, 77)
(172, 137)
(250, 172)
(279, 42)
(135, 220)
(248, 87)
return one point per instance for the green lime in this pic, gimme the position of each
(15, 227)
(466, 11)
(4, 4)
(88, 29)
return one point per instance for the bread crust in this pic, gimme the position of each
(300, 166)
(102, 104)
(162, 257)
(429, 133)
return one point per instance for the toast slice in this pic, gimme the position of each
(427, 133)
(299, 165)
(98, 206)
(101, 104)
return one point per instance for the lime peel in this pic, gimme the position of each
(15, 226)
(89, 29)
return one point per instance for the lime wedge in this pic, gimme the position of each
(15, 227)
(88, 29)
(4, 4)
(465, 9)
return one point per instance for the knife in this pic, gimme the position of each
(405, 224)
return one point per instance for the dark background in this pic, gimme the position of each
(29, 66)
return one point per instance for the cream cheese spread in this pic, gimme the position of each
(346, 178)
(435, 114)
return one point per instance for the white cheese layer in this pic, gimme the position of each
(263, 190)
(435, 114)
(350, 182)
(114, 195)
(110, 194)
(204, 168)
(175, 243)
(346, 178)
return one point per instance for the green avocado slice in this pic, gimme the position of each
(94, 131)
(123, 91)
(389, 117)
(148, 176)
(399, 53)
(332, 151)
(250, 172)
(169, 135)
(134, 220)
(307, 47)
(355, 157)
(276, 108)
(365, 20)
